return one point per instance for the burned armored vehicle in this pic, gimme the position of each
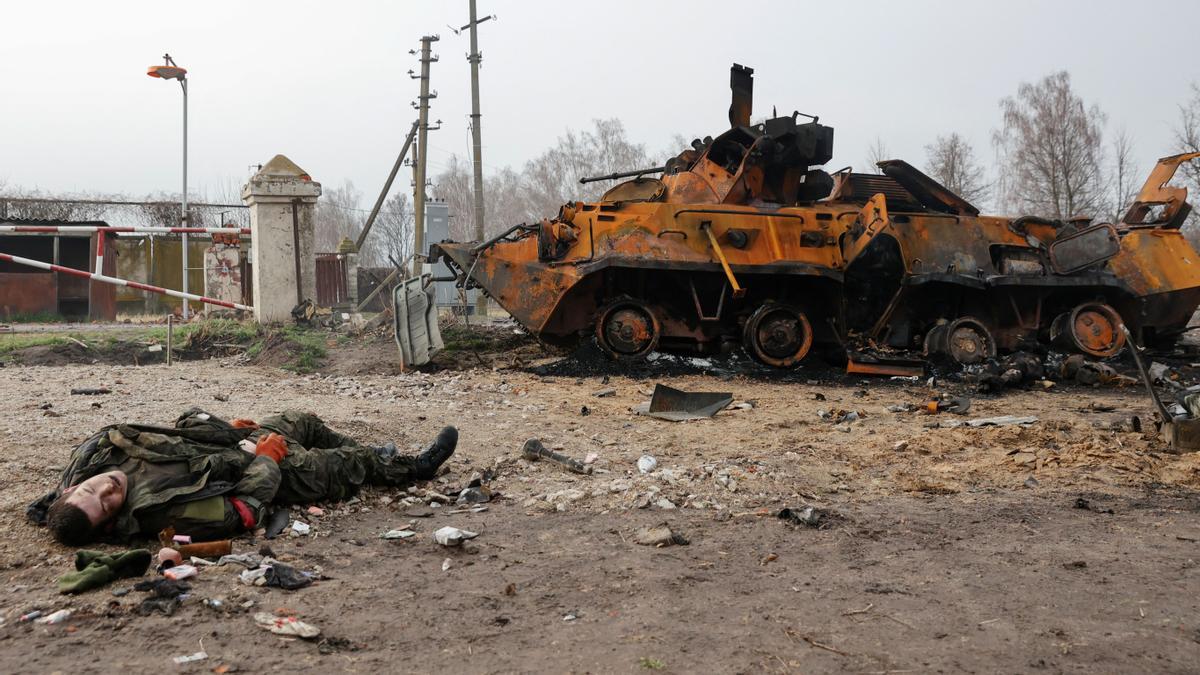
(745, 240)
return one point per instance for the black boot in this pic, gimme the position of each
(427, 462)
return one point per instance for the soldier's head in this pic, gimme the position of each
(74, 517)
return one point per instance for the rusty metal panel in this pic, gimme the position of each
(332, 287)
(28, 293)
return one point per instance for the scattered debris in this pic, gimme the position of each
(301, 528)
(57, 617)
(180, 572)
(190, 658)
(452, 536)
(958, 405)
(286, 626)
(646, 463)
(533, 450)
(315, 511)
(659, 536)
(808, 516)
(398, 534)
(279, 575)
(674, 405)
(446, 565)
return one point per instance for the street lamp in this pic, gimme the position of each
(170, 71)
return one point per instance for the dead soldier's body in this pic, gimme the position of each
(211, 479)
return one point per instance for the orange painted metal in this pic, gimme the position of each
(874, 262)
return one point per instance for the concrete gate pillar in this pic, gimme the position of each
(282, 198)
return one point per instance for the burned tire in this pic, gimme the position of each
(777, 335)
(965, 340)
(1092, 328)
(627, 329)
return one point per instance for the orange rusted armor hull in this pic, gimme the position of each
(744, 243)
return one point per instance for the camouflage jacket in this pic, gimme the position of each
(190, 470)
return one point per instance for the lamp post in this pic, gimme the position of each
(170, 71)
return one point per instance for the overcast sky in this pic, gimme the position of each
(326, 83)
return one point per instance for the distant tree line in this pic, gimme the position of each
(1052, 157)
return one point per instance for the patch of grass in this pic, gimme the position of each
(651, 664)
(14, 342)
(306, 347)
(209, 330)
(463, 339)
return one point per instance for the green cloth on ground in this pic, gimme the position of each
(94, 569)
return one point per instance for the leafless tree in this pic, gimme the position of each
(391, 235)
(1187, 135)
(16, 202)
(1125, 172)
(951, 161)
(877, 152)
(339, 215)
(1051, 151)
(552, 178)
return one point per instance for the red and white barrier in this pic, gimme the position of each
(70, 229)
(96, 276)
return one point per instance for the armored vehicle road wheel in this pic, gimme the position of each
(627, 329)
(1092, 328)
(966, 340)
(777, 335)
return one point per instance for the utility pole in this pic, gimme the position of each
(422, 149)
(477, 139)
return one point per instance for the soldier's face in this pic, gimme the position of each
(100, 496)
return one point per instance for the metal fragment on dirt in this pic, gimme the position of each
(674, 405)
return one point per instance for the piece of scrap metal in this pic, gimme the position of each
(1181, 433)
(668, 403)
(417, 332)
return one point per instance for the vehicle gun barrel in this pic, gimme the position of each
(622, 174)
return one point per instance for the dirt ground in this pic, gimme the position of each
(1066, 545)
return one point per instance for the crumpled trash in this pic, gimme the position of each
(286, 577)
(474, 495)
(190, 658)
(646, 463)
(289, 625)
(808, 516)
(301, 528)
(57, 617)
(839, 416)
(163, 588)
(254, 577)
(452, 536)
(180, 572)
(659, 536)
(248, 560)
(958, 405)
(397, 534)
